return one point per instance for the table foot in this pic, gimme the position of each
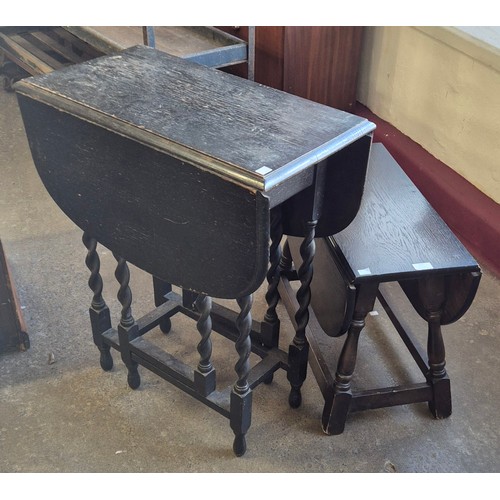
(335, 413)
(295, 397)
(166, 325)
(297, 372)
(100, 322)
(241, 395)
(133, 377)
(106, 360)
(240, 445)
(440, 406)
(240, 418)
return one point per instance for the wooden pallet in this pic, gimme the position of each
(33, 50)
(39, 50)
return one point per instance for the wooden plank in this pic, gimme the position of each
(89, 51)
(95, 39)
(175, 40)
(390, 396)
(24, 58)
(24, 42)
(57, 47)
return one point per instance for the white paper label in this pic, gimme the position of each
(422, 266)
(364, 272)
(264, 170)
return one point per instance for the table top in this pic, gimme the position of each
(406, 236)
(238, 129)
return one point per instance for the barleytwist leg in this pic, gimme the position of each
(270, 327)
(204, 375)
(273, 273)
(299, 349)
(241, 395)
(127, 329)
(99, 312)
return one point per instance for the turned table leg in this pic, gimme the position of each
(241, 395)
(299, 349)
(433, 295)
(127, 329)
(204, 375)
(271, 324)
(337, 402)
(440, 405)
(99, 312)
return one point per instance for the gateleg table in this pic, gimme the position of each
(194, 176)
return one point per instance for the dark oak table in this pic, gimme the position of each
(194, 175)
(396, 237)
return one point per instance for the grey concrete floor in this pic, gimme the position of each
(70, 416)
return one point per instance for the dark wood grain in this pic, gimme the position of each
(321, 63)
(167, 175)
(269, 51)
(395, 230)
(159, 213)
(338, 195)
(44, 48)
(240, 124)
(396, 236)
(400, 228)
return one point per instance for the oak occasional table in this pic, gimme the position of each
(194, 176)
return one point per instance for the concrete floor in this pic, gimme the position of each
(70, 416)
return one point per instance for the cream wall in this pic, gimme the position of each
(441, 89)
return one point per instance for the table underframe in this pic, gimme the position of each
(248, 335)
